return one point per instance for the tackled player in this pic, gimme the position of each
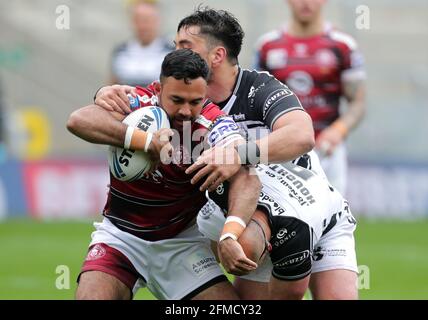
(148, 236)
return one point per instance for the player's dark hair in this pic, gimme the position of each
(184, 64)
(218, 26)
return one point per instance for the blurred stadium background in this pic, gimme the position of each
(53, 185)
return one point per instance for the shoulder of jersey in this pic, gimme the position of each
(343, 38)
(269, 37)
(254, 76)
(210, 112)
(147, 95)
(149, 90)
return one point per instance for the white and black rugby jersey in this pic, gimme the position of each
(257, 101)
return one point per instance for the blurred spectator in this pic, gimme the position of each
(320, 64)
(146, 46)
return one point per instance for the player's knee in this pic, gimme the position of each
(295, 293)
(95, 285)
(331, 293)
(334, 285)
(82, 294)
(288, 290)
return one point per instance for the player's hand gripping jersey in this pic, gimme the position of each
(162, 204)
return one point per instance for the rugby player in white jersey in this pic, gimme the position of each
(306, 227)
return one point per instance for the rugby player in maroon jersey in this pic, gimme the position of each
(149, 236)
(320, 64)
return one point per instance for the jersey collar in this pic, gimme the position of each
(228, 103)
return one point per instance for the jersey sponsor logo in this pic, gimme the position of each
(281, 233)
(318, 253)
(254, 90)
(95, 253)
(266, 199)
(321, 252)
(203, 121)
(252, 94)
(222, 129)
(276, 96)
(276, 58)
(326, 58)
(300, 82)
(207, 210)
(294, 259)
(282, 236)
(296, 187)
(239, 117)
(300, 50)
(201, 263)
(220, 189)
(154, 177)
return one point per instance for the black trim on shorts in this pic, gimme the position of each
(206, 285)
(295, 278)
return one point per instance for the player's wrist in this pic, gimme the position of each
(136, 139)
(97, 92)
(233, 227)
(340, 126)
(249, 153)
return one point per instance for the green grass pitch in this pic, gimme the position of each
(396, 254)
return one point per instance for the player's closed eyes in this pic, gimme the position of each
(177, 100)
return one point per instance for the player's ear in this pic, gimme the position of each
(157, 86)
(218, 55)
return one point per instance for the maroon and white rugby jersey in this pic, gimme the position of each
(162, 205)
(314, 68)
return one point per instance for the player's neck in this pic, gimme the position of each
(306, 30)
(222, 83)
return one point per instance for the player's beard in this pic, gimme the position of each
(179, 122)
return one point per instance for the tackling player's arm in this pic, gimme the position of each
(223, 159)
(243, 193)
(114, 98)
(242, 202)
(292, 131)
